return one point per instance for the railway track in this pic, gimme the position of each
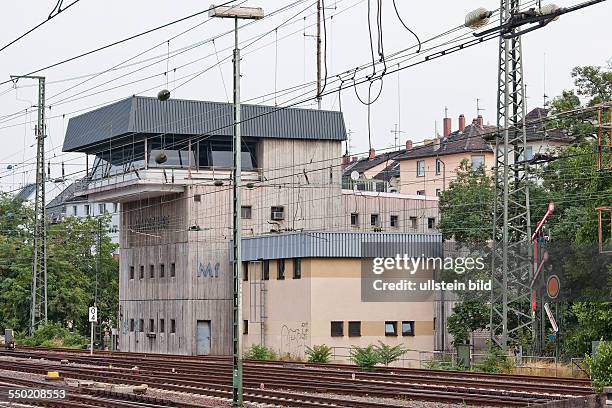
(212, 376)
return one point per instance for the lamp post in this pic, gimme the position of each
(252, 13)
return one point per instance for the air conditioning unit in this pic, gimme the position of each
(278, 215)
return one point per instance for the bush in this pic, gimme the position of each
(495, 361)
(600, 366)
(388, 354)
(52, 335)
(319, 354)
(365, 357)
(260, 352)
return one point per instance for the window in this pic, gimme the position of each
(280, 269)
(172, 270)
(431, 223)
(197, 198)
(337, 329)
(374, 220)
(354, 219)
(245, 327)
(277, 213)
(477, 162)
(141, 271)
(245, 271)
(162, 270)
(439, 166)
(420, 168)
(151, 325)
(297, 268)
(354, 329)
(394, 221)
(246, 212)
(101, 208)
(529, 152)
(162, 325)
(115, 207)
(408, 328)
(421, 192)
(413, 222)
(172, 326)
(438, 191)
(87, 209)
(141, 325)
(266, 270)
(131, 272)
(131, 325)
(75, 210)
(151, 271)
(390, 328)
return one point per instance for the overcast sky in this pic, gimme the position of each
(454, 81)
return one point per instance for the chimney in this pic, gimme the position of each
(408, 144)
(447, 127)
(436, 144)
(371, 154)
(461, 122)
(480, 120)
(345, 160)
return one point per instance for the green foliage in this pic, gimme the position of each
(365, 357)
(443, 362)
(388, 354)
(319, 354)
(260, 352)
(495, 361)
(593, 321)
(53, 335)
(467, 317)
(600, 366)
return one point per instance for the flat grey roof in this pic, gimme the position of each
(146, 115)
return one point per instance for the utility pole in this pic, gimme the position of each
(38, 306)
(319, 53)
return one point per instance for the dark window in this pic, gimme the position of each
(172, 270)
(245, 327)
(421, 192)
(172, 326)
(438, 166)
(151, 325)
(394, 221)
(337, 329)
(162, 325)
(420, 168)
(354, 219)
(431, 223)
(297, 268)
(354, 329)
(266, 270)
(280, 269)
(162, 270)
(438, 191)
(374, 220)
(245, 212)
(131, 325)
(390, 328)
(277, 213)
(115, 207)
(245, 271)
(151, 271)
(141, 325)
(408, 328)
(101, 208)
(413, 222)
(141, 271)
(197, 197)
(131, 272)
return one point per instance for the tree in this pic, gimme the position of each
(467, 317)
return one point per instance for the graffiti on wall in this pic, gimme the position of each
(209, 270)
(294, 339)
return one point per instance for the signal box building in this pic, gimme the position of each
(301, 232)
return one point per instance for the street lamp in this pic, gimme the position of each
(251, 13)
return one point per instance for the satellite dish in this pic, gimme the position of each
(354, 175)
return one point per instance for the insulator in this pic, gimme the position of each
(161, 158)
(477, 18)
(549, 9)
(163, 95)
(63, 172)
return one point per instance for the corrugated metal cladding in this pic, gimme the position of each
(139, 114)
(340, 245)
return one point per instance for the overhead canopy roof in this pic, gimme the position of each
(140, 115)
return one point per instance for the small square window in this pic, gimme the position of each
(162, 325)
(245, 271)
(421, 192)
(374, 220)
(245, 327)
(172, 270)
(172, 326)
(431, 223)
(394, 221)
(141, 325)
(280, 269)
(413, 222)
(246, 212)
(337, 329)
(131, 325)
(151, 271)
(141, 271)
(151, 325)
(131, 272)
(408, 328)
(297, 268)
(197, 198)
(390, 328)
(354, 219)
(354, 329)
(478, 162)
(162, 270)
(277, 213)
(438, 191)
(266, 270)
